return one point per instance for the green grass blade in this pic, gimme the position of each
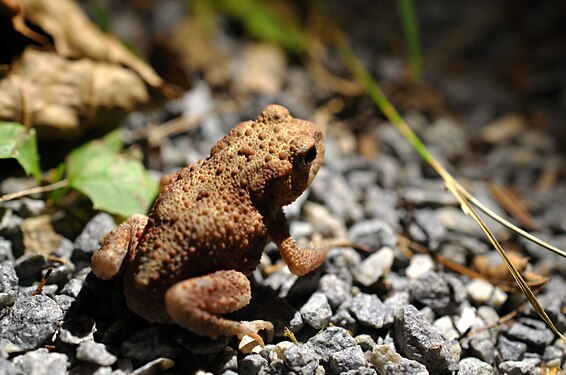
(411, 30)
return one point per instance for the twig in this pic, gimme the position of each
(34, 190)
(42, 282)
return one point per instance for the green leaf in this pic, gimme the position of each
(114, 182)
(263, 21)
(21, 144)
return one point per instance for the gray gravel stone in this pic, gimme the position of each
(389, 362)
(65, 302)
(301, 359)
(335, 289)
(343, 318)
(333, 190)
(297, 323)
(149, 344)
(484, 349)
(553, 352)
(74, 286)
(432, 290)
(252, 364)
(370, 311)
(89, 239)
(41, 361)
(531, 331)
(6, 250)
(317, 311)
(10, 223)
(380, 204)
(341, 262)
(8, 368)
(26, 207)
(93, 352)
(445, 326)
(518, 368)
(474, 366)
(347, 359)
(511, 350)
(31, 321)
(433, 228)
(419, 265)
(374, 233)
(374, 266)
(330, 341)
(416, 339)
(65, 249)
(8, 284)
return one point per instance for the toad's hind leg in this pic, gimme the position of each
(107, 261)
(196, 303)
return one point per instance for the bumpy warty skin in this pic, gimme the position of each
(215, 214)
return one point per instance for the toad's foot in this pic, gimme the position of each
(107, 261)
(196, 303)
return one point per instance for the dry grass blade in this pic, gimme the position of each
(512, 226)
(34, 190)
(461, 194)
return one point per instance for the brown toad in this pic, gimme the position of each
(187, 261)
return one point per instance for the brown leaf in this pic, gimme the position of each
(262, 70)
(13, 9)
(76, 36)
(503, 128)
(513, 204)
(39, 236)
(56, 95)
(499, 275)
(200, 52)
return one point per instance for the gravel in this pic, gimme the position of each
(31, 321)
(530, 331)
(417, 340)
(390, 310)
(8, 284)
(474, 366)
(317, 311)
(41, 361)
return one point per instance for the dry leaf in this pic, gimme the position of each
(76, 36)
(503, 129)
(263, 69)
(39, 236)
(56, 95)
(13, 9)
(498, 274)
(199, 52)
(513, 204)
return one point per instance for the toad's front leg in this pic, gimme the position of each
(300, 261)
(107, 261)
(196, 304)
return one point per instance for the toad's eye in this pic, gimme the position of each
(309, 156)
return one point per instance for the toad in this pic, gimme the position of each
(187, 261)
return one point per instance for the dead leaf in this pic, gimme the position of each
(513, 204)
(498, 274)
(39, 236)
(56, 95)
(200, 53)
(76, 36)
(13, 9)
(263, 69)
(503, 129)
